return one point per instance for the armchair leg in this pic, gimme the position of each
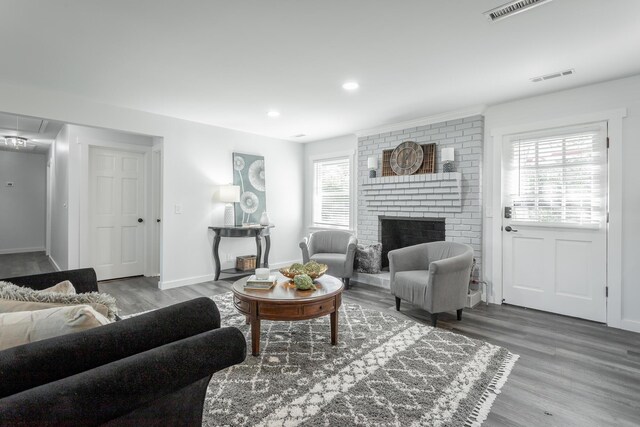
(434, 319)
(398, 304)
(346, 280)
(459, 312)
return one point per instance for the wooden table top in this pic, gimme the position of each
(285, 290)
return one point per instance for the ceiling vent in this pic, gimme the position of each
(553, 75)
(300, 135)
(512, 8)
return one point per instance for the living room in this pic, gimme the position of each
(393, 124)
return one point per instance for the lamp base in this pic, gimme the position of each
(448, 167)
(229, 215)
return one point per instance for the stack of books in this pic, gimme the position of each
(254, 283)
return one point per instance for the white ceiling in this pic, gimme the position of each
(39, 132)
(227, 63)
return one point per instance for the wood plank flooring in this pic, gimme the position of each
(571, 372)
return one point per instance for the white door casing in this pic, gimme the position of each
(554, 267)
(116, 202)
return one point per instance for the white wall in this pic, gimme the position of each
(22, 207)
(196, 159)
(623, 93)
(325, 147)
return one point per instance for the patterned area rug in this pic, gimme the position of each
(386, 371)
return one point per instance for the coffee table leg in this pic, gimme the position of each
(334, 328)
(255, 336)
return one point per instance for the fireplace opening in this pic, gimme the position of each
(396, 233)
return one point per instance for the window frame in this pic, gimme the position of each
(313, 160)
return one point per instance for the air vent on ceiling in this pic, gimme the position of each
(300, 135)
(553, 75)
(512, 8)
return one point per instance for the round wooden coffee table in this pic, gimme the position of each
(285, 302)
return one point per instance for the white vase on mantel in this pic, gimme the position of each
(264, 218)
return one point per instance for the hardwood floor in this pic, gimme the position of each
(24, 264)
(571, 372)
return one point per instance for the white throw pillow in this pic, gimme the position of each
(24, 327)
(62, 288)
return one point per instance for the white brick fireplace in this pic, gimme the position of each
(454, 197)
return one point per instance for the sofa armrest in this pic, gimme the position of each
(83, 280)
(451, 265)
(111, 391)
(449, 282)
(351, 256)
(27, 366)
(306, 250)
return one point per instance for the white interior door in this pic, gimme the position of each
(554, 237)
(116, 207)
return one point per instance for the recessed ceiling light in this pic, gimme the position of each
(350, 86)
(273, 113)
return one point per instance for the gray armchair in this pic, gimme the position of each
(335, 248)
(433, 276)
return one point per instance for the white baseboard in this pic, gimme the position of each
(169, 284)
(55, 264)
(21, 250)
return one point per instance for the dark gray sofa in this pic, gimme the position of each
(151, 369)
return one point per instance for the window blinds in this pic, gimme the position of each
(332, 192)
(559, 176)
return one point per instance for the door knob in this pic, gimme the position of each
(140, 220)
(158, 220)
(508, 228)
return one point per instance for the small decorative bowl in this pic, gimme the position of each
(285, 272)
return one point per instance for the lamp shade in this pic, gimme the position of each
(447, 154)
(229, 193)
(372, 162)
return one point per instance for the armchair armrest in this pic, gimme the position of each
(27, 366)
(306, 249)
(117, 389)
(451, 265)
(351, 256)
(83, 280)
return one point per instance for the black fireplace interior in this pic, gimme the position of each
(398, 233)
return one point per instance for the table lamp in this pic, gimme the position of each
(229, 194)
(447, 158)
(372, 165)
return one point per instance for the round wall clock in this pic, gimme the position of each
(406, 158)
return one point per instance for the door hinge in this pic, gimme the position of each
(607, 142)
(606, 292)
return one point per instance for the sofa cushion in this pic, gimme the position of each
(12, 306)
(18, 293)
(24, 327)
(369, 258)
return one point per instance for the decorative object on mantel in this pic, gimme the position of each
(406, 158)
(427, 166)
(372, 165)
(250, 176)
(229, 194)
(448, 156)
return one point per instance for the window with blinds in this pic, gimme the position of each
(331, 199)
(559, 177)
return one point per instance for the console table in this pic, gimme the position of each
(256, 232)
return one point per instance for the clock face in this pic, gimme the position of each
(406, 158)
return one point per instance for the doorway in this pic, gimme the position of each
(117, 194)
(554, 220)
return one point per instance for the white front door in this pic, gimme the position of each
(554, 237)
(116, 206)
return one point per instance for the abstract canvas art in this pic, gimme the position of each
(248, 174)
